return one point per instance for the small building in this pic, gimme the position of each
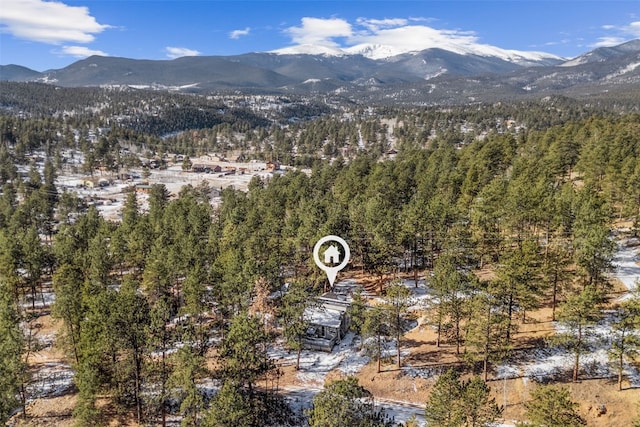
(143, 188)
(201, 168)
(273, 166)
(328, 322)
(229, 170)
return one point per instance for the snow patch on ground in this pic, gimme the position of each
(545, 364)
(315, 365)
(625, 262)
(50, 380)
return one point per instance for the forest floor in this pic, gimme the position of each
(402, 392)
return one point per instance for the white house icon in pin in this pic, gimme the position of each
(332, 255)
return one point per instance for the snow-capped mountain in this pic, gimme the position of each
(455, 73)
(380, 51)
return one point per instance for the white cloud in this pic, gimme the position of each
(377, 24)
(621, 34)
(608, 41)
(317, 31)
(48, 21)
(558, 42)
(236, 34)
(401, 34)
(416, 37)
(633, 29)
(177, 52)
(80, 51)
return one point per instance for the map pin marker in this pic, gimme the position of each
(331, 256)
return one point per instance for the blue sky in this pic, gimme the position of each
(46, 34)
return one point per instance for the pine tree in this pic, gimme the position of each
(454, 403)
(357, 312)
(230, 407)
(551, 406)
(12, 366)
(159, 342)
(486, 338)
(479, 407)
(189, 366)
(442, 409)
(625, 344)
(450, 285)
(346, 403)
(396, 302)
(375, 326)
(130, 322)
(68, 306)
(577, 313)
(295, 325)
(242, 354)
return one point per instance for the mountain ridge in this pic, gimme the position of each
(440, 73)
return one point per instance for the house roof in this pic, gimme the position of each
(323, 317)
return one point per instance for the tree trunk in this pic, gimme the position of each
(485, 367)
(553, 304)
(620, 365)
(398, 342)
(576, 364)
(439, 329)
(138, 388)
(379, 354)
(163, 410)
(510, 313)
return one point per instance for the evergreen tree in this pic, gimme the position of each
(396, 302)
(593, 247)
(442, 409)
(131, 320)
(578, 313)
(375, 326)
(457, 403)
(357, 312)
(517, 286)
(346, 403)
(68, 306)
(551, 406)
(486, 338)
(160, 339)
(295, 325)
(555, 271)
(12, 366)
(451, 287)
(189, 367)
(230, 407)
(625, 343)
(242, 354)
(479, 407)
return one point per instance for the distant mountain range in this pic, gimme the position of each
(448, 74)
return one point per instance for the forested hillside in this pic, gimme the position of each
(166, 312)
